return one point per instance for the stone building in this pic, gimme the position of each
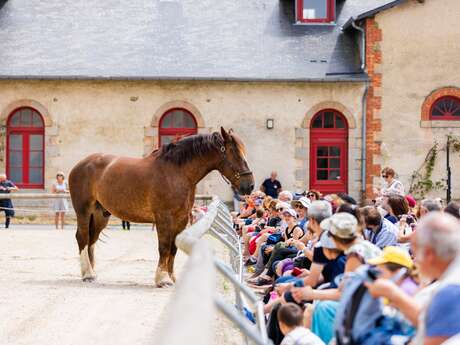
(292, 77)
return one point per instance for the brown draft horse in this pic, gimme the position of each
(158, 188)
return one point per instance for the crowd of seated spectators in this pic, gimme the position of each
(331, 271)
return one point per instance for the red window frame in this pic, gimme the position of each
(327, 137)
(25, 132)
(177, 132)
(455, 106)
(330, 17)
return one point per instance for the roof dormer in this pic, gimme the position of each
(315, 11)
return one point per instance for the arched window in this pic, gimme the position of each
(329, 152)
(445, 108)
(25, 148)
(328, 119)
(175, 124)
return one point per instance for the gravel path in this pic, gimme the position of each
(43, 301)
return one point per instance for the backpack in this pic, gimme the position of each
(274, 238)
(360, 318)
(386, 330)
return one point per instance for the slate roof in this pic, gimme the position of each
(175, 39)
(372, 12)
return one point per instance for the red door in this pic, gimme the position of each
(329, 152)
(25, 148)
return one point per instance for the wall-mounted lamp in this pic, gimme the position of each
(270, 123)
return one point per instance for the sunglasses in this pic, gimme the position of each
(384, 176)
(311, 195)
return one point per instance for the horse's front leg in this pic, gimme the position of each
(183, 219)
(164, 224)
(162, 278)
(167, 229)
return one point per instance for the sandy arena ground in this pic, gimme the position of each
(44, 302)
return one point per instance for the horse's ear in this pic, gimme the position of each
(225, 135)
(230, 131)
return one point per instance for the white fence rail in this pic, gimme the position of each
(193, 294)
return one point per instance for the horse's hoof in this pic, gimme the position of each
(89, 279)
(165, 283)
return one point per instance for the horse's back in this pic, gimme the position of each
(117, 183)
(91, 165)
(85, 173)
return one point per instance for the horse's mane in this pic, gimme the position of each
(189, 147)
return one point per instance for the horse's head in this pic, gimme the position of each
(234, 166)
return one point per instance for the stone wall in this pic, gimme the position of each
(419, 61)
(121, 117)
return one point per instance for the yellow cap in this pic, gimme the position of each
(394, 255)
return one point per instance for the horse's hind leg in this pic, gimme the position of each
(83, 236)
(98, 223)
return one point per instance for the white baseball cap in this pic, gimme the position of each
(290, 211)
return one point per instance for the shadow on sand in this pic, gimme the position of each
(114, 285)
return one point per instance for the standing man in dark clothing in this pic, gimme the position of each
(271, 186)
(6, 186)
(126, 225)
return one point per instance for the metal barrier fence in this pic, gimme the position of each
(190, 316)
(24, 197)
(24, 206)
(36, 196)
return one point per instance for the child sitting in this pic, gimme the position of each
(290, 319)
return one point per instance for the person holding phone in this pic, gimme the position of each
(406, 225)
(396, 265)
(432, 310)
(343, 230)
(360, 316)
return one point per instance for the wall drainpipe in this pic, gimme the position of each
(364, 111)
(363, 142)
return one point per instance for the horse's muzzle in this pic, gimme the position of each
(246, 184)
